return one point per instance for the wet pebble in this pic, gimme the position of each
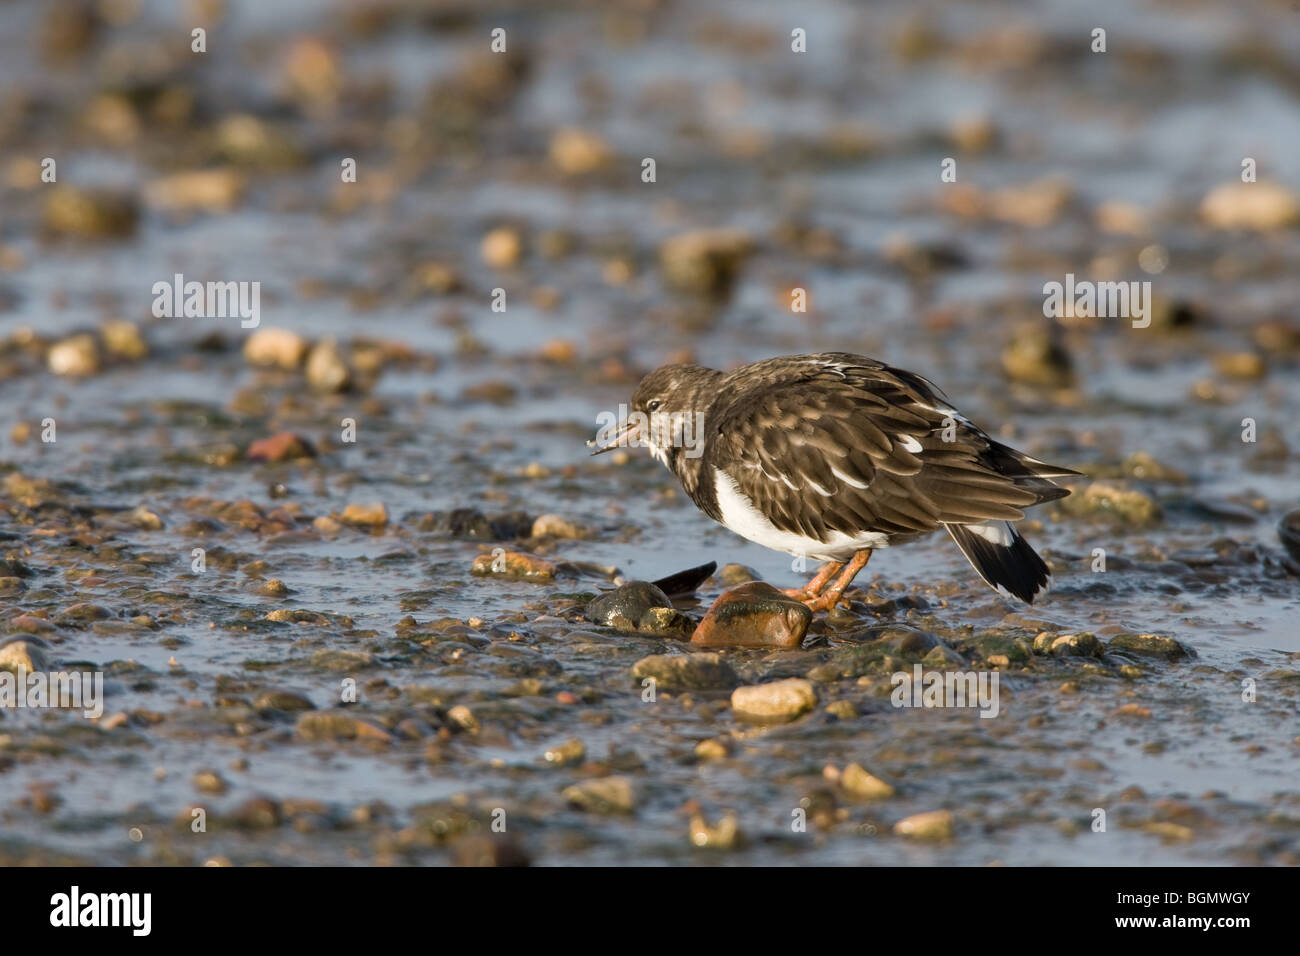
(319, 726)
(338, 659)
(626, 605)
(82, 613)
(705, 261)
(282, 700)
(1261, 206)
(209, 781)
(368, 514)
(570, 751)
(723, 835)
(1127, 506)
(123, 339)
(1072, 645)
(75, 356)
(282, 446)
(557, 526)
(777, 701)
(514, 564)
(1151, 645)
(935, 825)
(275, 347)
(326, 369)
(614, 794)
(497, 849)
(734, 574)
(677, 672)
(865, 786)
(753, 615)
(24, 652)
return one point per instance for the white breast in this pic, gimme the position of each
(740, 515)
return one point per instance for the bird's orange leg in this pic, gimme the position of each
(827, 599)
(814, 587)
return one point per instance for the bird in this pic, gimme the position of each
(832, 456)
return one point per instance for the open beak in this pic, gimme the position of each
(621, 437)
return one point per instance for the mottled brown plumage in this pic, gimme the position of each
(839, 453)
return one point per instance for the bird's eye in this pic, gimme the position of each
(653, 405)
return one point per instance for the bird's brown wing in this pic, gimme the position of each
(836, 446)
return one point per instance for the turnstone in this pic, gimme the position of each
(831, 456)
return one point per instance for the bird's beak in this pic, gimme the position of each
(620, 437)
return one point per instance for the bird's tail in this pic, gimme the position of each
(1002, 557)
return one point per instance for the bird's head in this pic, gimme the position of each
(666, 414)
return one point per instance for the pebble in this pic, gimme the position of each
(934, 825)
(274, 587)
(571, 751)
(734, 574)
(24, 652)
(777, 701)
(515, 564)
(339, 659)
(715, 748)
(1035, 356)
(209, 781)
(1152, 645)
(753, 615)
(204, 190)
(282, 446)
(863, 785)
(625, 606)
(678, 672)
(326, 369)
(89, 213)
(75, 357)
(82, 612)
(502, 247)
(705, 261)
(1261, 206)
(142, 517)
(577, 152)
(123, 339)
(332, 725)
(666, 621)
(275, 347)
(1074, 645)
(497, 849)
(556, 526)
(724, 835)
(462, 717)
(614, 794)
(369, 514)
(283, 700)
(1128, 506)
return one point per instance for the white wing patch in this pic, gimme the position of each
(851, 482)
(740, 515)
(995, 532)
(909, 444)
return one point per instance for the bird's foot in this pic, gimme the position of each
(824, 601)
